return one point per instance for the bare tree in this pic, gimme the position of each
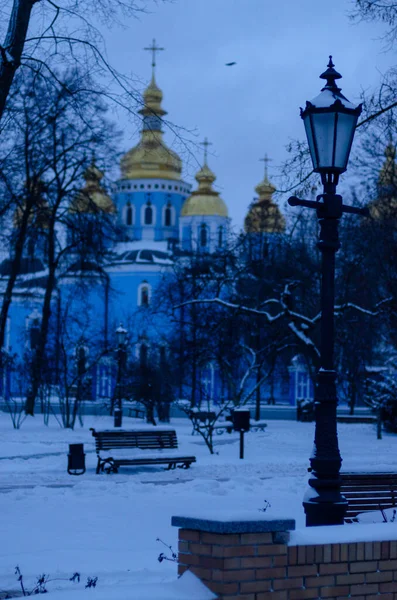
(46, 34)
(64, 128)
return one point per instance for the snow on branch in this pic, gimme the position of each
(372, 313)
(303, 337)
(233, 306)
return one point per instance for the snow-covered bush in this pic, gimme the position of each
(305, 410)
(381, 396)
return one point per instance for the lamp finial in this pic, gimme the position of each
(331, 75)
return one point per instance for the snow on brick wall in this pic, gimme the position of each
(262, 566)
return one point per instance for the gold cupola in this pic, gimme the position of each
(264, 215)
(205, 201)
(385, 204)
(151, 158)
(92, 198)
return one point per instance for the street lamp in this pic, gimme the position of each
(330, 120)
(121, 336)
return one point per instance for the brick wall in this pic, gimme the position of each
(260, 565)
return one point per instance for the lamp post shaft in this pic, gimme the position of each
(323, 503)
(118, 411)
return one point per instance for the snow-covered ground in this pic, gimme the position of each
(106, 526)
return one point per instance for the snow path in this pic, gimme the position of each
(107, 525)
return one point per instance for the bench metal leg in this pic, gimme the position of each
(111, 468)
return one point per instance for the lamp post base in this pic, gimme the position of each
(322, 514)
(324, 505)
(118, 417)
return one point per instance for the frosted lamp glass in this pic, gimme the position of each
(310, 140)
(346, 124)
(323, 125)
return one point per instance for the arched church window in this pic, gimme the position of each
(148, 215)
(128, 215)
(144, 296)
(143, 355)
(89, 232)
(203, 235)
(34, 334)
(220, 237)
(168, 216)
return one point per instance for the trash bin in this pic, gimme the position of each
(241, 423)
(76, 459)
(241, 419)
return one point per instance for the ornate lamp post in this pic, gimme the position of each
(330, 121)
(121, 335)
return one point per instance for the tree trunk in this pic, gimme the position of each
(352, 397)
(150, 413)
(258, 395)
(38, 359)
(15, 267)
(379, 424)
(11, 51)
(181, 370)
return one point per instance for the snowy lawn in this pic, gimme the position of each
(106, 526)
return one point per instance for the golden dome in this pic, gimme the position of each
(151, 158)
(152, 98)
(264, 215)
(205, 201)
(92, 198)
(386, 203)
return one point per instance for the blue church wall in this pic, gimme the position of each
(134, 222)
(125, 302)
(84, 307)
(186, 237)
(19, 313)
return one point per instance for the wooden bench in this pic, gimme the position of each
(356, 419)
(223, 426)
(367, 492)
(137, 411)
(116, 448)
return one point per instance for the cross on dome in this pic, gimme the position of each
(206, 143)
(266, 160)
(153, 49)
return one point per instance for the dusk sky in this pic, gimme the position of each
(251, 108)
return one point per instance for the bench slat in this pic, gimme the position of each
(155, 461)
(383, 494)
(367, 476)
(369, 501)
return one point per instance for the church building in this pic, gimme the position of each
(158, 216)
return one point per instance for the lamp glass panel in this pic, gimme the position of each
(120, 335)
(344, 138)
(310, 140)
(323, 131)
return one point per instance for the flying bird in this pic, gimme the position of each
(230, 64)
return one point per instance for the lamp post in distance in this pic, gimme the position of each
(121, 336)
